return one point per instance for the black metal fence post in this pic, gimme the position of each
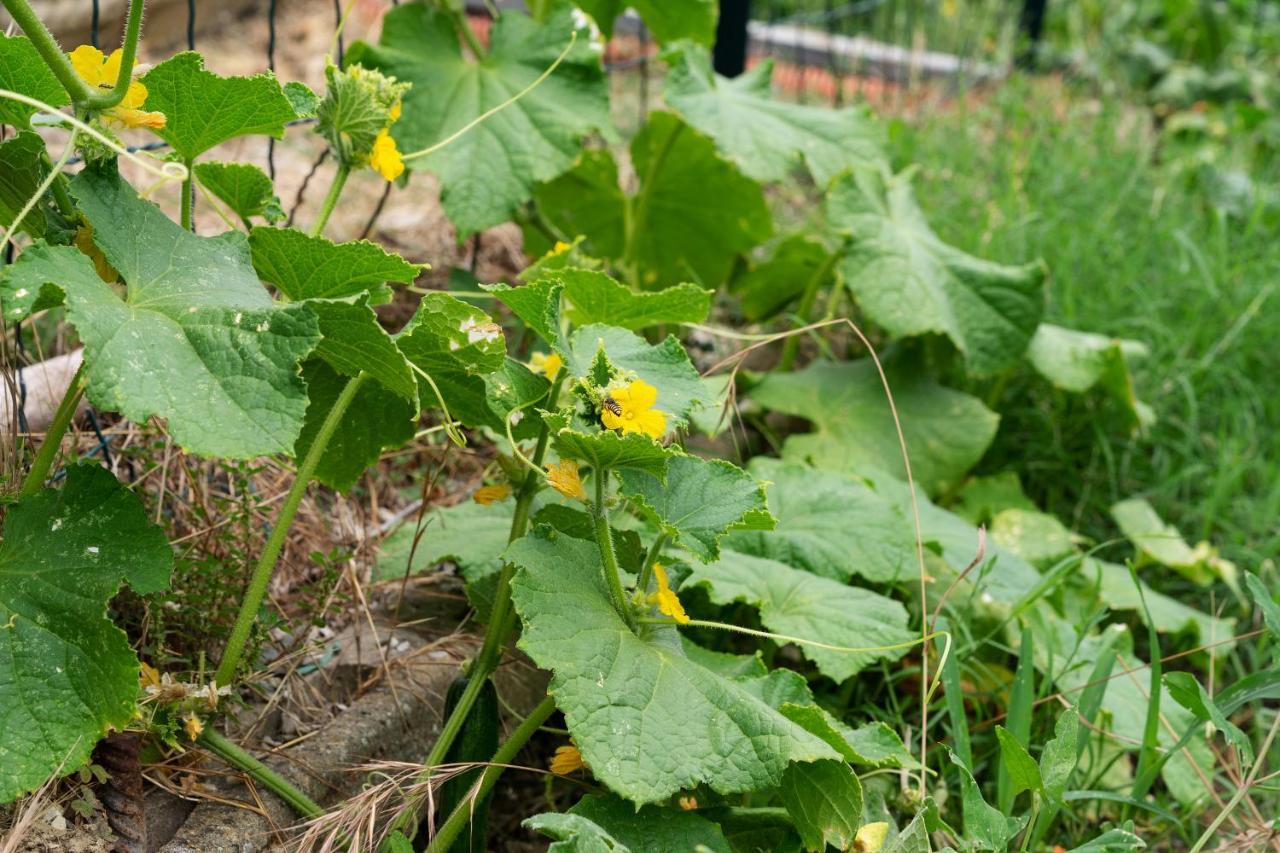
(1031, 23)
(730, 55)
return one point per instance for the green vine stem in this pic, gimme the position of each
(81, 93)
(792, 345)
(48, 452)
(604, 537)
(501, 616)
(237, 757)
(188, 198)
(266, 564)
(506, 753)
(330, 200)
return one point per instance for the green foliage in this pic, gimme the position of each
(608, 823)
(595, 298)
(946, 431)
(1078, 361)
(668, 19)
(23, 71)
(664, 365)
(306, 267)
(764, 137)
(672, 236)
(911, 283)
(68, 675)
(203, 110)
(243, 187)
(631, 699)
(824, 800)
(22, 170)
(697, 501)
(482, 184)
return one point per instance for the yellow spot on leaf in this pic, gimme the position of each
(870, 837)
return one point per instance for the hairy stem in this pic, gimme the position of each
(604, 537)
(449, 832)
(188, 198)
(807, 298)
(48, 452)
(237, 757)
(501, 617)
(80, 92)
(266, 564)
(330, 200)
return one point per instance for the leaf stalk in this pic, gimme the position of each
(48, 452)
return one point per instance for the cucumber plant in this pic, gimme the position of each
(627, 562)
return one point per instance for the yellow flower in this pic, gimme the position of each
(193, 725)
(566, 760)
(666, 599)
(688, 802)
(385, 158)
(101, 72)
(558, 249)
(395, 113)
(486, 495)
(563, 477)
(148, 675)
(630, 409)
(870, 837)
(546, 363)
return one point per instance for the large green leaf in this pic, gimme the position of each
(677, 235)
(376, 420)
(946, 431)
(306, 267)
(537, 304)
(649, 721)
(195, 340)
(22, 170)
(985, 828)
(798, 604)
(667, 19)
(911, 283)
(766, 137)
(606, 449)
(23, 71)
(664, 365)
(824, 800)
(458, 346)
(700, 501)
(619, 826)
(353, 342)
(594, 297)
(472, 535)
(1159, 542)
(767, 288)
(1116, 590)
(243, 187)
(67, 674)
(1077, 361)
(830, 524)
(35, 282)
(492, 170)
(202, 109)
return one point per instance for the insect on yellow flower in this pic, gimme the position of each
(564, 478)
(385, 158)
(665, 597)
(630, 409)
(566, 760)
(546, 363)
(486, 495)
(100, 72)
(193, 725)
